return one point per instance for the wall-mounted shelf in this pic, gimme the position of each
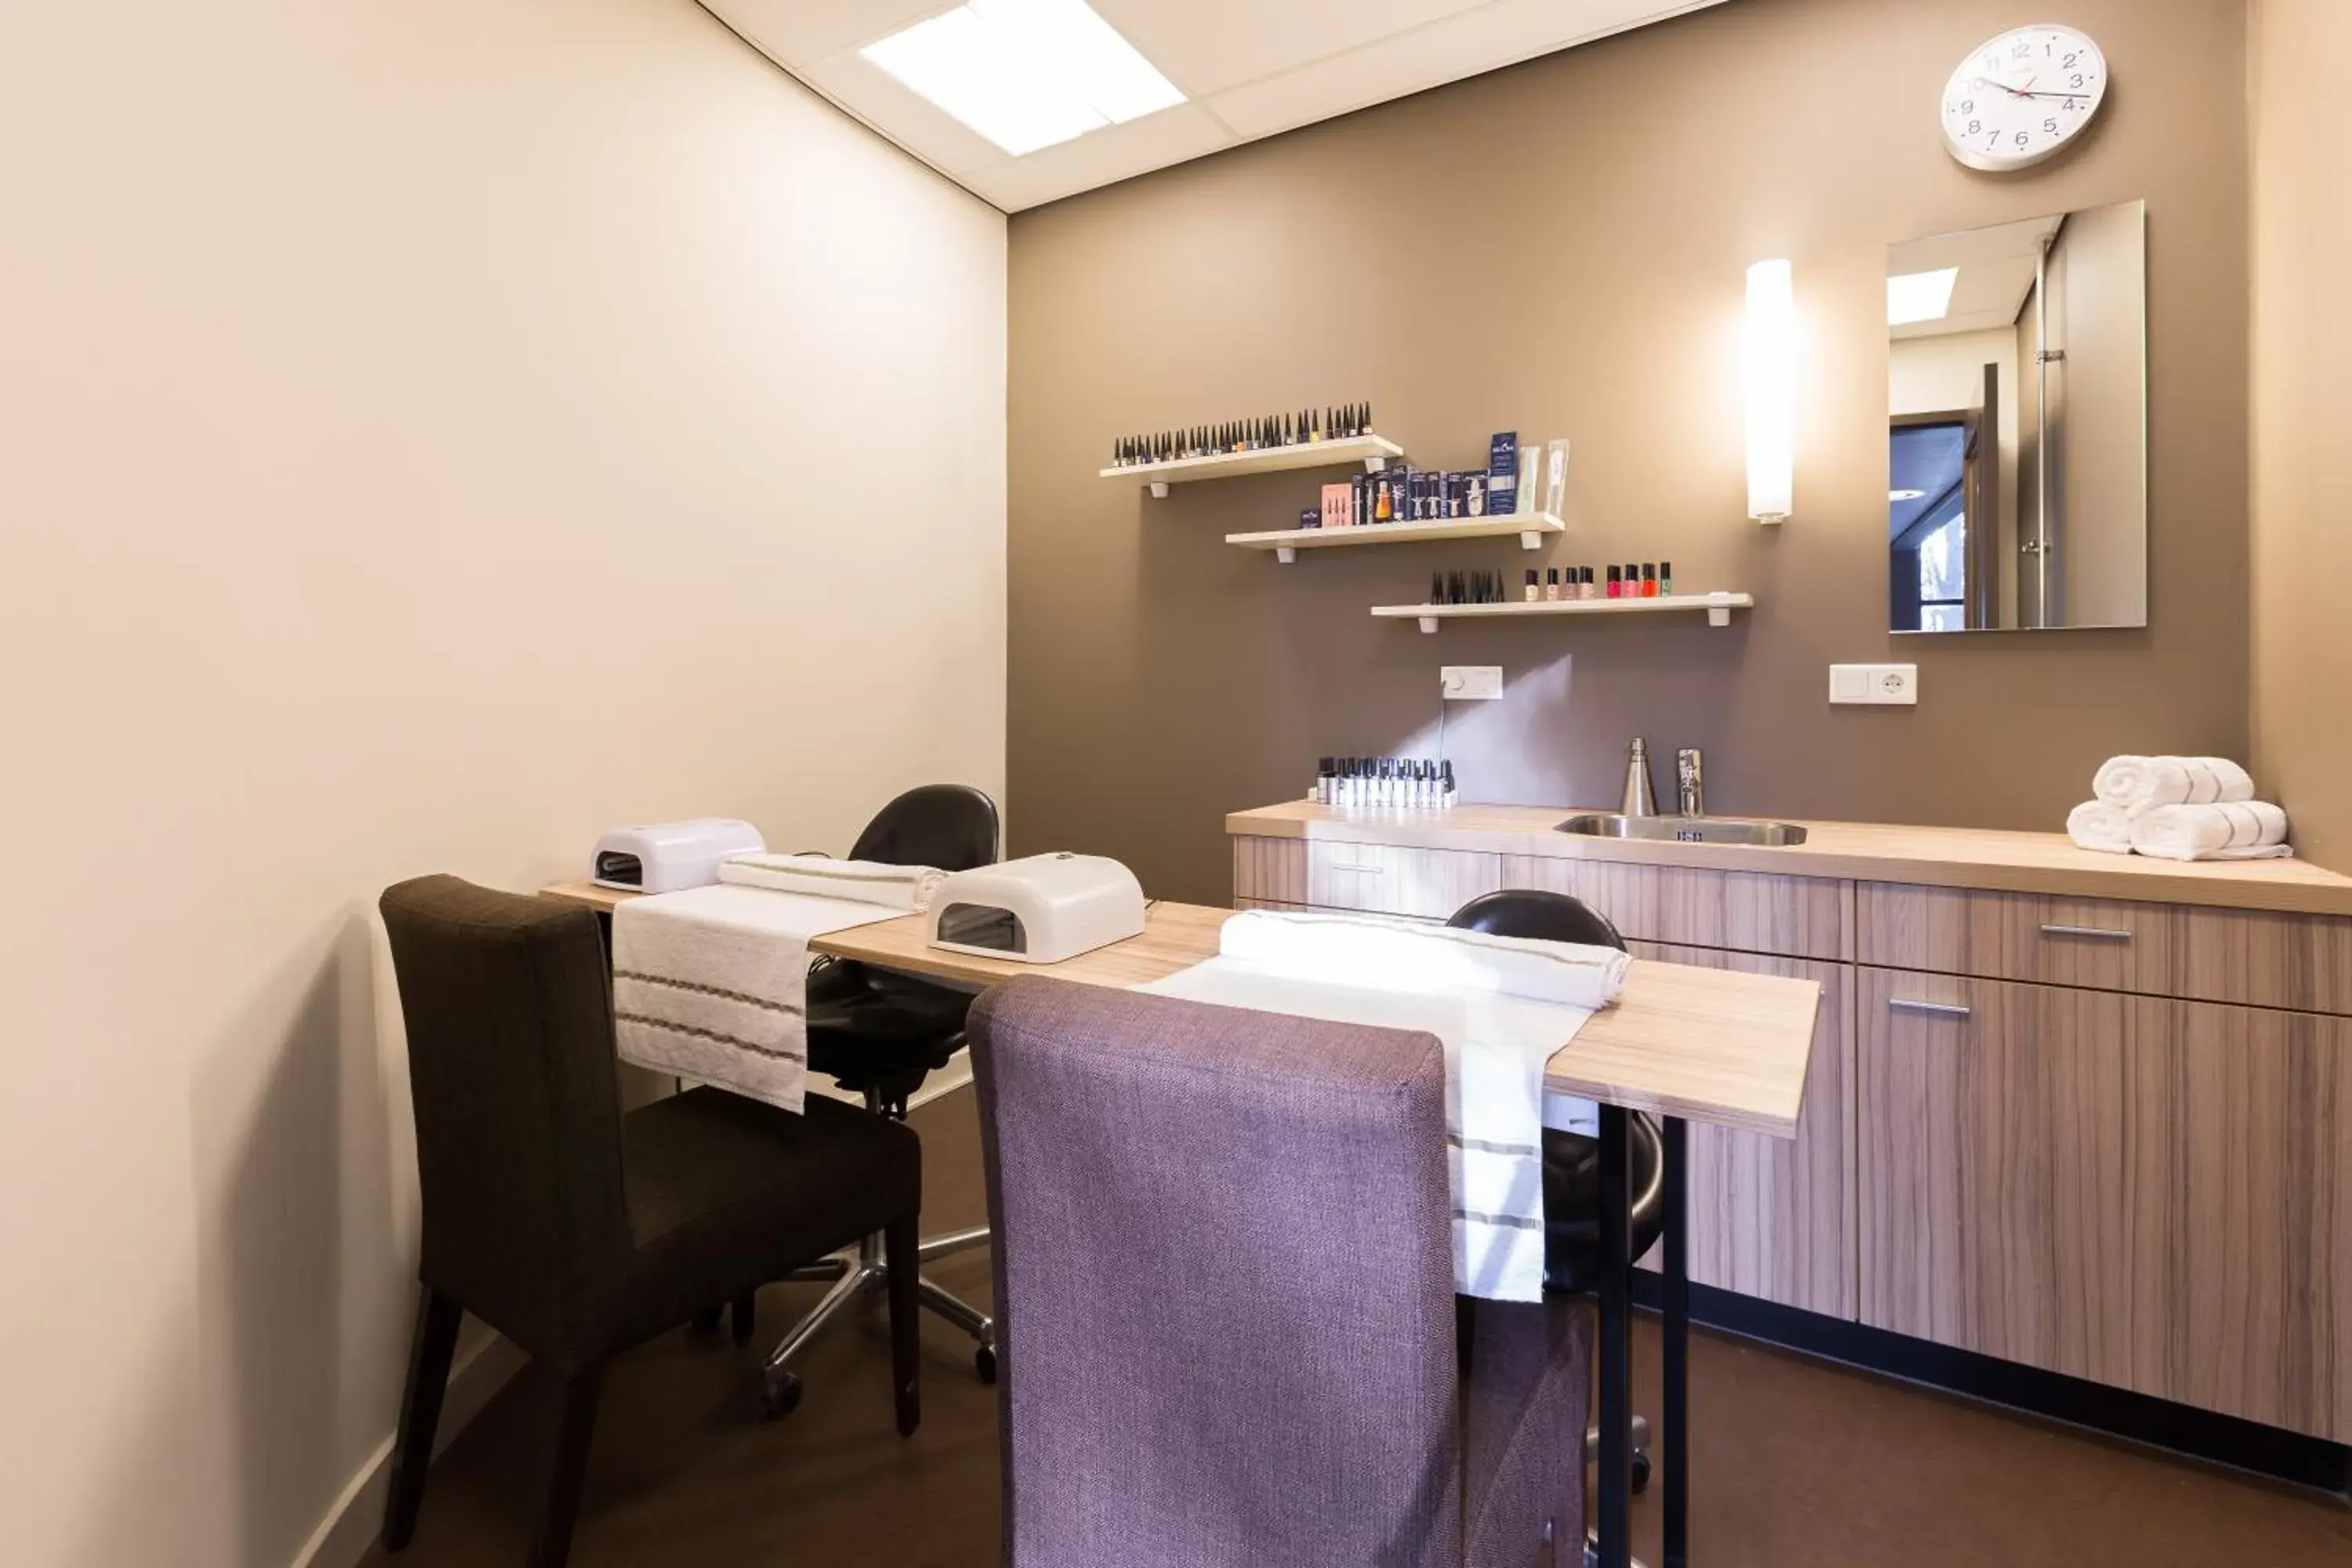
(1286, 544)
(1718, 608)
(1373, 451)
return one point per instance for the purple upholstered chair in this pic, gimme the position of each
(1224, 1297)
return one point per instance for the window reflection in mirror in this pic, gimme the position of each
(2016, 489)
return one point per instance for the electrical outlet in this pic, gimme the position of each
(1875, 685)
(1470, 682)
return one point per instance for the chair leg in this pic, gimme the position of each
(429, 1351)
(746, 1312)
(567, 1473)
(901, 1244)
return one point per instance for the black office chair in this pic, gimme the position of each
(881, 1035)
(577, 1231)
(1572, 1160)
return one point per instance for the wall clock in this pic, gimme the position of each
(2023, 97)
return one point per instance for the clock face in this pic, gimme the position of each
(2021, 98)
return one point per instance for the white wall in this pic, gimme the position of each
(431, 432)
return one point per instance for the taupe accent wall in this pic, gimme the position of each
(1560, 248)
(2303, 397)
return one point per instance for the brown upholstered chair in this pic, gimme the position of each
(1224, 1298)
(577, 1231)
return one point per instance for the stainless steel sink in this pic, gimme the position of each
(1684, 829)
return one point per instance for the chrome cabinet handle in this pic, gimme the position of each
(1933, 1009)
(2095, 933)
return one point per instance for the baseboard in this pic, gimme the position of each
(354, 1519)
(2225, 1441)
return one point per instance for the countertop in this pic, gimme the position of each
(2046, 863)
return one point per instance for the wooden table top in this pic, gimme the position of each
(1708, 1045)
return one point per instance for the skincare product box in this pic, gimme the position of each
(1502, 473)
(1530, 460)
(1556, 476)
(1339, 505)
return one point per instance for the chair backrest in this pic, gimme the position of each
(1538, 916)
(1224, 1284)
(951, 826)
(507, 1006)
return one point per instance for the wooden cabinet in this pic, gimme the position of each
(1769, 1216)
(2149, 1192)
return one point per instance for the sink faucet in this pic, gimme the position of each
(1690, 782)
(1640, 800)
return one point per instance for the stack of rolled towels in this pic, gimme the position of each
(2179, 809)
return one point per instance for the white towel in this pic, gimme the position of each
(2139, 783)
(2095, 824)
(712, 984)
(1394, 955)
(1472, 993)
(2231, 830)
(902, 888)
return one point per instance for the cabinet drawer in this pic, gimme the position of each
(1391, 879)
(2110, 944)
(1750, 912)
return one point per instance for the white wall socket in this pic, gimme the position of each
(1879, 685)
(1470, 682)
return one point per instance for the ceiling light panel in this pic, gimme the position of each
(1026, 74)
(1920, 296)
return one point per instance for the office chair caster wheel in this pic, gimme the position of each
(983, 1361)
(779, 1392)
(1641, 1473)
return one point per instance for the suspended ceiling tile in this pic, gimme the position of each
(1099, 158)
(872, 94)
(1207, 46)
(796, 32)
(1485, 38)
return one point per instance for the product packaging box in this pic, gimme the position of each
(1310, 516)
(1476, 494)
(1556, 476)
(1360, 507)
(1502, 473)
(1530, 460)
(1339, 505)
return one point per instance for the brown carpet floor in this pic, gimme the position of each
(1795, 1464)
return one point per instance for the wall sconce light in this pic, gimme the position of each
(1770, 353)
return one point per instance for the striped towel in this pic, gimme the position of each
(2140, 783)
(904, 888)
(712, 984)
(2227, 830)
(1499, 1005)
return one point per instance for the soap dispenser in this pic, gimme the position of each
(1640, 799)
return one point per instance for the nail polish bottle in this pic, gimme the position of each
(1437, 587)
(1666, 579)
(1447, 794)
(1535, 590)
(1649, 580)
(1616, 582)
(1551, 583)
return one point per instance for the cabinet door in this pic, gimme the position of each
(1751, 911)
(1774, 1217)
(2149, 1193)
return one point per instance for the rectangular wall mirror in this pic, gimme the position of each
(2016, 425)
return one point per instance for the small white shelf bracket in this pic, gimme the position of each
(1159, 490)
(1375, 464)
(1286, 554)
(1429, 626)
(1531, 540)
(1719, 615)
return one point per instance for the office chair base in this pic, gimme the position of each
(860, 1274)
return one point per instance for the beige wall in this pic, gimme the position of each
(2302, 392)
(431, 432)
(1560, 248)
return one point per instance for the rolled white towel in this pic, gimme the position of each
(822, 876)
(2138, 784)
(2231, 830)
(2095, 824)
